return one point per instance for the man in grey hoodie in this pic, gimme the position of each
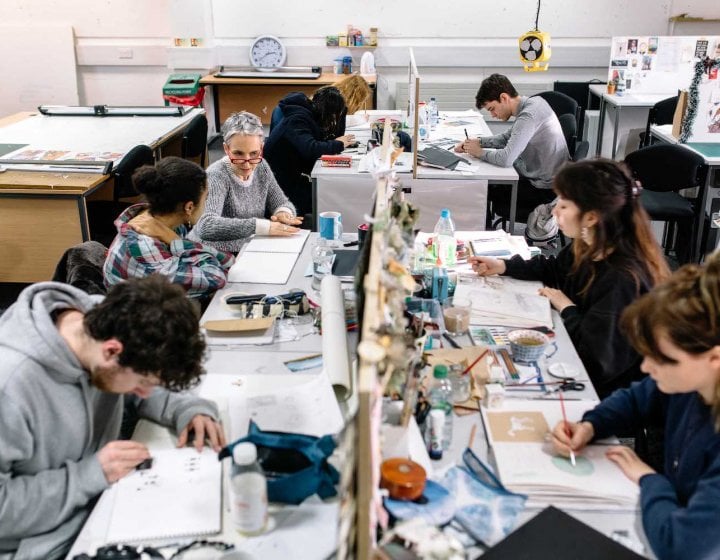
(67, 362)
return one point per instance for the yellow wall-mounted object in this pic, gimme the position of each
(535, 50)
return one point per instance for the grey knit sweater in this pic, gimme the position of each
(534, 145)
(236, 209)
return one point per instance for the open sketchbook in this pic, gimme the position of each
(504, 301)
(262, 268)
(278, 244)
(527, 463)
(179, 496)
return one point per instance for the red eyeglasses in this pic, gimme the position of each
(251, 161)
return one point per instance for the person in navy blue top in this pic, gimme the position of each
(309, 129)
(676, 327)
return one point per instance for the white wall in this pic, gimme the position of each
(124, 53)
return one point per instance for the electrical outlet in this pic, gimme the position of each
(125, 53)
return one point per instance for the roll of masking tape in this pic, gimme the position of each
(404, 479)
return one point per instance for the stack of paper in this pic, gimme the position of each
(504, 301)
(527, 463)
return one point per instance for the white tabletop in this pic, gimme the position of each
(664, 133)
(628, 99)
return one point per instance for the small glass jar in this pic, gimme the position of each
(460, 383)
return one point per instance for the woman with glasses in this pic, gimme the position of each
(310, 128)
(243, 196)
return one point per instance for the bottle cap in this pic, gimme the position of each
(245, 453)
(444, 213)
(440, 371)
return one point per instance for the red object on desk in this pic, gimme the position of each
(335, 161)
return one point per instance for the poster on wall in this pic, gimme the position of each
(706, 127)
(656, 65)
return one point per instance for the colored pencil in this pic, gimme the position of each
(567, 426)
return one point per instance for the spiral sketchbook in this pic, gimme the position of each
(179, 496)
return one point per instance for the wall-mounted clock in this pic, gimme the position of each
(267, 53)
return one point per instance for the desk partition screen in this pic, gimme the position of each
(413, 104)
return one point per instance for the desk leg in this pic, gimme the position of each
(696, 254)
(601, 127)
(615, 132)
(513, 206)
(314, 205)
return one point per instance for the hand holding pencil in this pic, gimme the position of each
(571, 437)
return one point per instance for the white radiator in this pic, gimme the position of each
(590, 130)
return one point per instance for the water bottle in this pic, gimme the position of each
(433, 113)
(440, 398)
(444, 242)
(423, 129)
(248, 487)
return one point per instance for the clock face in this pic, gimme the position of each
(267, 52)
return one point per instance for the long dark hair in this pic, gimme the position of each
(623, 231)
(328, 105)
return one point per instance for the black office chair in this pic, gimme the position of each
(662, 112)
(103, 213)
(194, 140)
(569, 128)
(562, 104)
(664, 170)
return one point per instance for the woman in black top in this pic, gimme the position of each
(613, 259)
(308, 130)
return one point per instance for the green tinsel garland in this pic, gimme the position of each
(701, 67)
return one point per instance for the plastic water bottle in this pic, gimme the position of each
(433, 113)
(248, 486)
(423, 129)
(440, 398)
(444, 242)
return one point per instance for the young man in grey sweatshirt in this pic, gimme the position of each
(534, 145)
(67, 362)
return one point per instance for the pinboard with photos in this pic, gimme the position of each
(657, 64)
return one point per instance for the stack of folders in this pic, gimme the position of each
(528, 464)
(503, 301)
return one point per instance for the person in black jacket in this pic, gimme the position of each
(308, 130)
(613, 259)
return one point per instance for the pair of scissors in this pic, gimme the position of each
(569, 385)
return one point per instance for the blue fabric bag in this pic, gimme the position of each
(295, 465)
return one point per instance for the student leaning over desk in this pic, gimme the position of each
(151, 236)
(612, 260)
(68, 362)
(676, 327)
(243, 191)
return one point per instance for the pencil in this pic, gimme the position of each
(467, 369)
(567, 427)
(450, 339)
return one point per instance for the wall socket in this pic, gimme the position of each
(125, 53)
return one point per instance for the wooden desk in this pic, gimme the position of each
(44, 213)
(261, 95)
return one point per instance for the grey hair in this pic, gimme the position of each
(243, 123)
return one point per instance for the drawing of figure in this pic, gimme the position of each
(647, 62)
(714, 121)
(520, 424)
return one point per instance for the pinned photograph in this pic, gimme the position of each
(632, 46)
(642, 47)
(647, 62)
(652, 45)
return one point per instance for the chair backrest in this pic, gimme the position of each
(562, 104)
(82, 266)
(569, 128)
(581, 150)
(667, 167)
(122, 172)
(194, 141)
(275, 118)
(662, 112)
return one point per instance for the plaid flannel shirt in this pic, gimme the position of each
(196, 267)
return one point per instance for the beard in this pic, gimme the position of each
(103, 378)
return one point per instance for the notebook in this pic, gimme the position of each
(278, 244)
(437, 157)
(262, 268)
(555, 535)
(179, 496)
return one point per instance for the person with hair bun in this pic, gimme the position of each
(152, 236)
(676, 327)
(613, 259)
(244, 198)
(310, 128)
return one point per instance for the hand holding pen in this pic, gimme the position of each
(571, 437)
(469, 146)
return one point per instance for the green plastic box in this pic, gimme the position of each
(182, 84)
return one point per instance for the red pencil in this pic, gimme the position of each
(567, 426)
(467, 369)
